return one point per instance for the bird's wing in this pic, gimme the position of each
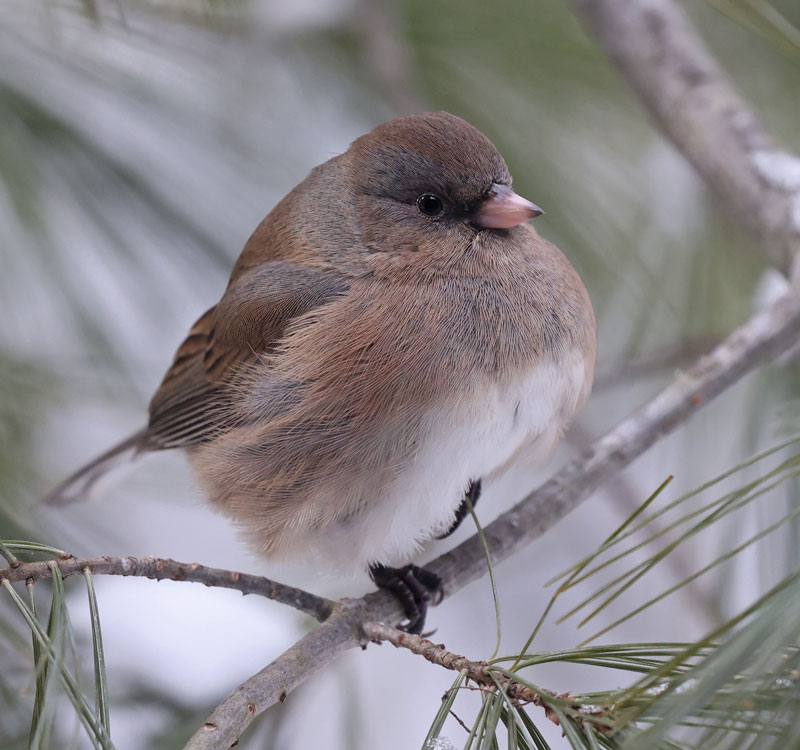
(193, 402)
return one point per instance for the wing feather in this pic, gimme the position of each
(193, 403)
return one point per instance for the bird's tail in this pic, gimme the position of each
(79, 486)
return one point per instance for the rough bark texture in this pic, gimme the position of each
(161, 569)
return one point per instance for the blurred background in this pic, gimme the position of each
(141, 141)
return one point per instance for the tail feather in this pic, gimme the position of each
(79, 486)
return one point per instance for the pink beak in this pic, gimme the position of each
(503, 208)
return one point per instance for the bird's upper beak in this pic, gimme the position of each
(502, 208)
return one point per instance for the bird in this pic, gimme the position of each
(394, 334)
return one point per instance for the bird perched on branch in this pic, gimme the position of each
(393, 334)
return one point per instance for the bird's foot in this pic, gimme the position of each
(414, 587)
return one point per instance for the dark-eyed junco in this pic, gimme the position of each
(393, 333)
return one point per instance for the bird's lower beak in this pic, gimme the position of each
(502, 208)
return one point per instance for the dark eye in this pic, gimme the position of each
(430, 205)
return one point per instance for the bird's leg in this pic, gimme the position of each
(413, 586)
(473, 493)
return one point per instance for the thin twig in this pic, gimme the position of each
(164, 569)
(761, 339)
(477, 671)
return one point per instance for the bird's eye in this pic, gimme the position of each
(430, 205)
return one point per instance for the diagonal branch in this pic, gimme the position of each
(674, 75)
(481, 673)
(310, 655)
(436, 653)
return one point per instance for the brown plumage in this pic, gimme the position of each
(372, 355)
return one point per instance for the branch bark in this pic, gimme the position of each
(674, 75)
(310, 655)
(483, 675)
(161, 569)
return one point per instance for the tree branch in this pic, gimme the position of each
(310, 655)
(478, 671)
(764, 337)
(662, 57)
(161, 569)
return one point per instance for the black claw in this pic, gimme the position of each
(414, 587)
(473, 493)
(431, 582)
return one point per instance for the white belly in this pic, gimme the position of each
(471, 441)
